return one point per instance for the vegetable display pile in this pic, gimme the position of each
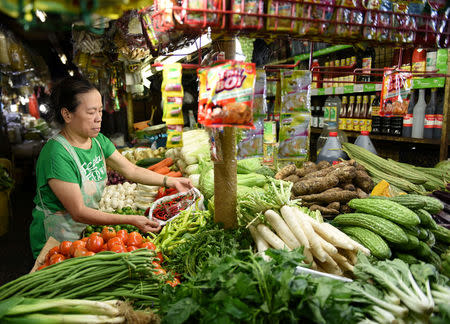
(169, 208)
(115, 178)
(116, 197)
(107, 240)
(6, 181)
(241, 287)
(134, 276)
(138, 155)
(400, 226)
(327, 188)
(325, 247)
(403, 176)
(176, 232)
(60, 311)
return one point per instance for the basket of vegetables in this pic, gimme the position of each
(168, 208)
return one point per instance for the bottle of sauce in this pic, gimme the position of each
(364, 141)
(428, 127)
(331, 75)
(326, 76)
(317, 78)
(349, 115)
(321, 113)
(314, 117)
(439, 117)
(356, 113)
(363, 113)
(408, 118)
(376, 119)
(343, 114)
(419, 115)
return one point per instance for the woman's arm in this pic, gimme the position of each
(142, 175)
(69, 194)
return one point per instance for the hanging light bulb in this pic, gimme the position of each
(71, 72)
(41, 15)
(63, 58)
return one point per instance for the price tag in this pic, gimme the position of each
(358, 87)
(348, 89)
(339, 90)
(314, 92)
(378, 87)
(329, 91)
(320, 92)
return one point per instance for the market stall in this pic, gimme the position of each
(282, 225)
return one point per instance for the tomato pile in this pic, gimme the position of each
(107, 240)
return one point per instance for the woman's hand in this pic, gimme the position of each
(146, 225)
(181, 184)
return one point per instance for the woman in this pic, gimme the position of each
(71, 170)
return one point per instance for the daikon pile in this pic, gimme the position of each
(325, 247)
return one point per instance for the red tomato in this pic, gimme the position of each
(159, 257)
(147, 245)
(114, 241)
(42, 266)
(131, 248)
(64, 248)
(108, 233)
(174, 282)
(118, 248)
(95, 243)
(96, 234)
(159, 271)
(156, 265)
(135, 239)
(76, 245)
(55, 258)
(90, 253)
(81, 251)
(123, 234)
(84, 239)
(104, 247)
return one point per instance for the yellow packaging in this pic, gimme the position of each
(356, 124)
(172, 94)
(342, 123)
(286, 9)
(368, 125)
(174, 136)
(349, 124)
(362, 125)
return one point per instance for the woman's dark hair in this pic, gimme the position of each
(64, 95)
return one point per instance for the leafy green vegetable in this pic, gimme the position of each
(250, 165)
(242, 287)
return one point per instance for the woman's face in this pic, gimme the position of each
(86, 119)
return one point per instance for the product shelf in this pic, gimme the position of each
(308, 20)
(400, 139)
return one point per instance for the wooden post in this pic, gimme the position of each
(443, 154)
(130, 115)
(225, 175)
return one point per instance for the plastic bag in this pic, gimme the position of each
(250, 143)
(371, 18)
(295, 86)
(352, 13)
(259, 101)
(168, 208)
(294, 136)
(226, 95)
(247, 6)
(402, 21)
(315, 12)
(282, 8)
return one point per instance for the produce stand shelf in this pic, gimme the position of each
(315, 130)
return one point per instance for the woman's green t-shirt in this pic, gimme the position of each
(55, 162)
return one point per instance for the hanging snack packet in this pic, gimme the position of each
(244, 7)
(371, 18)
(283, 9)
(229, 91)
(250, 142)
(259, 101)
(311, 11)
(402, 21)
(174, 136)
(155, 39)
(294, 136)
(384, 20)
(203, 95)
(172, 94)
(198, 18)
(295, 86)
(351, 13)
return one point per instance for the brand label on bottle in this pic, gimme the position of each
(429, 121)
(368, 126)
(315, 121)
(438, 121)
(333, 113)
(362, 125)
(419, 66)
(326, 114)
(342, 123)
(349, 124)
(356, 124)
(321, 122)
(408, 120)
(366, 64)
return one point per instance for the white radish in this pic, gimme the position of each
(271, 237)
(328, 247)
(261, 244)
(316, 247)
(294, 225)
(331, 234)
(342, 262)
(281, 228)
(350, 255)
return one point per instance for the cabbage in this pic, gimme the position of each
(195, 179)
(207, 183)
(192, 169)
(251, 180)
(248, 165)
